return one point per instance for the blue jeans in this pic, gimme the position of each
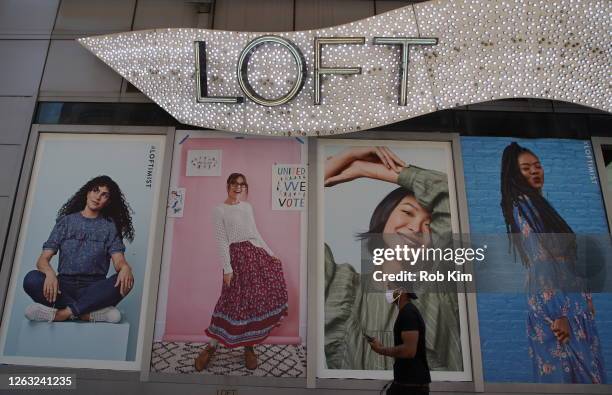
(82, 293)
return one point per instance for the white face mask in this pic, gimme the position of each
(389, 296)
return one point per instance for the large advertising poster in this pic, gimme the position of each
(232, 289)
(606, 174)
(541, 198)
(79, 281)
(400, 188)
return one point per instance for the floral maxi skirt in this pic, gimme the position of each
(255, 301)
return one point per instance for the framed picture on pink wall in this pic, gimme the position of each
(202, 163)
(289, 187)
(232, 293)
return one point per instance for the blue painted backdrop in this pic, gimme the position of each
(572, 188)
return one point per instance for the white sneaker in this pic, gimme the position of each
(107, 314)
(39, 312)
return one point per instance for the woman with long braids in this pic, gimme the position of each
(253, 298)
(89, 232)
(563, 340)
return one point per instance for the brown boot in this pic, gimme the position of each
(250, 359)
(201, 362)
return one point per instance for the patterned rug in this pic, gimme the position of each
(275, 360)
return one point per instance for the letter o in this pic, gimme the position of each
(243, 78)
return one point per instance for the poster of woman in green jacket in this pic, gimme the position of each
(417, 209)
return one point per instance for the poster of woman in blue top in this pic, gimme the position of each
(84, 252)
(89, 232)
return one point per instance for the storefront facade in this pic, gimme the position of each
(74, 110)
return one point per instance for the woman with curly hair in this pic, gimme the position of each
(88, 233)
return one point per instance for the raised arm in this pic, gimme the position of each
(430, 188)
(380, 163)
(353, 163)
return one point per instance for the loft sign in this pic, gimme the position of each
(404, 44)
(368, 73)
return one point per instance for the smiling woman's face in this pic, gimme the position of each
(411, 221)
(236, 187)
(531, 169)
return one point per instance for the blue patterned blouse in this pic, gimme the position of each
(580, 359)
(85, 245)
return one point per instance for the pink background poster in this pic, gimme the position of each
(195, 274)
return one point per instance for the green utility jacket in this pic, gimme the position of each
(349, 311)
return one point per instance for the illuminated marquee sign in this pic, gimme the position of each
(374, 71)
(298, 58)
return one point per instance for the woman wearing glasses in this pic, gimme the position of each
(254, 294)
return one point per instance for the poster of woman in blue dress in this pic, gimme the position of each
(564, 344)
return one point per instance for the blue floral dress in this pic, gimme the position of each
(549, 298)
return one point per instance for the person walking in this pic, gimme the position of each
(410, 369)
